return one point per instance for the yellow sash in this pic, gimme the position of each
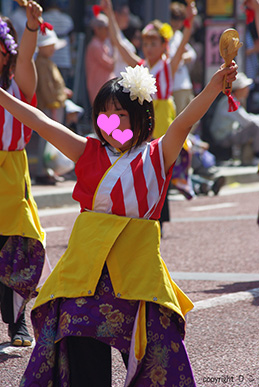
(130, 247)
(18, 210)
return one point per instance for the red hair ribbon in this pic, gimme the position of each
(250, 15)
(43, 27)
(96, 10)
(232, 104)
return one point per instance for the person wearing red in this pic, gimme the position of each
(111, 287)
(22, 252)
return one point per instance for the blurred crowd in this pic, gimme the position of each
(219, 137)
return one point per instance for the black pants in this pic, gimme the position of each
(6, 295)
(90, 362)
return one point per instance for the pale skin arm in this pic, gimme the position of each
(115, 35)
(130, 57)
(25, 73)
(69, 143)
(177, 132)
(191, 12)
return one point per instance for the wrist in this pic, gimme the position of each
(187, 23)
(30, 28)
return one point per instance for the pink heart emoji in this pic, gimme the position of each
(108, 124)
(122, 137)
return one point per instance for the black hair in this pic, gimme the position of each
(141, 116)
(8, 69)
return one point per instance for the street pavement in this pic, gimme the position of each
(211, 250)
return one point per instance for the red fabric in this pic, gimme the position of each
(232, 104)
(250, 15)
(96, 10)
(187, 23)
(94, 162)
(155, 159)
(140, 185)
(17, 126)
(141, 62)
(118, 206)
(44, 26)
(89, 170)
(159, 93)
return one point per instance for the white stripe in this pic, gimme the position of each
(248, 295)
(129, 194)
(213, 218)
(21, 142)
(122, 170)
(212, 207)
(103, 202)
(224, 277)
(54, 228)
(7, 130)
(8, 123)
(59, 211)
(7, 349)
(159, 67)
(151, 183)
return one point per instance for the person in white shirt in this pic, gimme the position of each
(182, 88)
(238, 128)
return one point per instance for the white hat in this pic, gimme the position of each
(71, 107)
(100, 20)
(50, 38)
(241, 82)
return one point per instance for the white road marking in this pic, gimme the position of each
(59, 211)
(212, 207)
(225, 277)
(54, 228)
(248, 295)
(214, 218)
(7, 348)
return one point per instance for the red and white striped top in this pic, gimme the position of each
(13, 134)
(131, 184)
(164, 80)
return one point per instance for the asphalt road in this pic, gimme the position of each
(211, 248)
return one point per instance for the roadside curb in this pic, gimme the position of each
(61, 194)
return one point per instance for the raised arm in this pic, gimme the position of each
(115, 35)
(69, 143)
(179, 129)
(191, 11)
(25, 72)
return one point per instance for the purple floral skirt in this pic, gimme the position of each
(21, 263)
(110, 320)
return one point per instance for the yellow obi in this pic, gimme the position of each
(19, 215)
(165, 113)
(130, 248)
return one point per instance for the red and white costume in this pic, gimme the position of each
(163, 102)
(13, 134)
(134, 187)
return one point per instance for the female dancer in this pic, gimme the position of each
(111, 287)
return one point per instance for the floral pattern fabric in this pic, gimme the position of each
(21, 263)
(110, 320)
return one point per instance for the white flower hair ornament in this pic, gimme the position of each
(139, 83)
